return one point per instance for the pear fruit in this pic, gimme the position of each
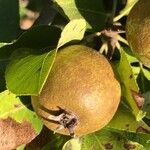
(138, 31)
(81, 94)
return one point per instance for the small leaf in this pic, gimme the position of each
(130, 55)
(22, 147)
(136, 71)
(73, 144)
(2, 44)
(92, 11)
(9, 24)
(125, 11)
(74, 30)
(128, 84)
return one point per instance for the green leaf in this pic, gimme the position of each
(23, 72)
(124, 120)
(125, 11)
(74, 30)
(92, 11)
(73, 144)
(140, 138)
(146, 106)
(108, 138)
(136, 72)
(40, 37)
(9, 24)
(143, 81)
(130, 55)
(128, 84)
(2, 44)
(19, 109)
(146, 72)
(22, 147)
(17, 115)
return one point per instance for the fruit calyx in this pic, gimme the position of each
(66, 120)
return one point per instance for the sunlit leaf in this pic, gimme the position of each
(128, 84)
(23, 72)
(74, 30)
(73, 144)
(92, 11)
(126, 10)
(18, 109)
(17, 121)
(124, 120)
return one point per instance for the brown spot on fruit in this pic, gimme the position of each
(81, 82)
(137, 31)
(13, 134)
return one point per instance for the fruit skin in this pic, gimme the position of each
(81, 81)
(138, 31)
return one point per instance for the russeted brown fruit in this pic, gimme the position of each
(138, 31)
(81, 94)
